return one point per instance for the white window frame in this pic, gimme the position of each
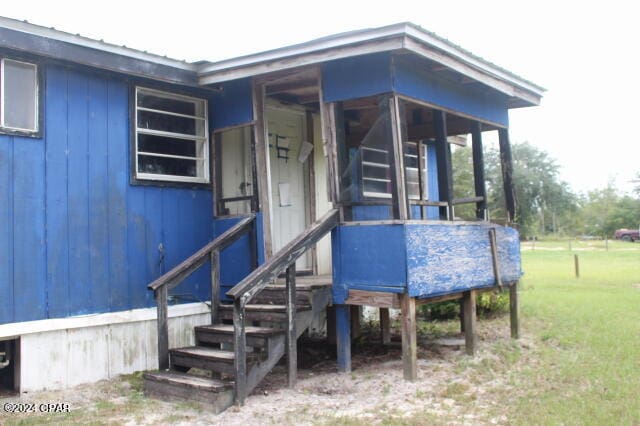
(36, 118)
(205, 178)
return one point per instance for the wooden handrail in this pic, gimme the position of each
(467, 200)
(178, 274)
(267, 272)
(208, 253)
(243, 292)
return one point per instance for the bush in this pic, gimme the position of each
(486, 304)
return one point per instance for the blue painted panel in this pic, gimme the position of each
(357, 77)
(445, 258)
(79, 238)
(370, 255)
(364, 213)
(233, 105)
(56, 133)
(412, 79)
(29, 239)
(6, 229)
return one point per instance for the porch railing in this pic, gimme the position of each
(209, 253)
(256, 281)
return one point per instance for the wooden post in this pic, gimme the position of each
(514, 311)
(331, 325)
(443, 157)
(343, 335)
(461, 316)
(478, 169)
(409, 338)
(385, 326)
(401, 206)
(292, 337)
(507, 174)
(576, 263)
(356, 315)
(262, 167)
(469, 307)
(215, 284)
(163, 327)
(240, 347)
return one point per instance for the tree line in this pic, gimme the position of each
(546, 205)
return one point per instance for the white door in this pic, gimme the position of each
(286, 130)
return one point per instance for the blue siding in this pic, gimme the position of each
(78, 238)
(233, 105)
(411, 80)
(371, 257)
(356, 77)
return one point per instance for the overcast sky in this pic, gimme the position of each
(586, 56)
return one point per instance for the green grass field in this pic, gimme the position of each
(586, 331)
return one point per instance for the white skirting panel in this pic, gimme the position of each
(53, 358)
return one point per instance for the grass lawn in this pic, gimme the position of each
(587, 332)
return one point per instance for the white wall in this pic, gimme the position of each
(322, 197)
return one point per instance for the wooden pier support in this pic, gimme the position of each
(343, 337)
(385, 326)
(292, 335)
(514, 311)
(469, 309)
(409, 338)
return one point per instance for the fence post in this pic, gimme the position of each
(576, 263)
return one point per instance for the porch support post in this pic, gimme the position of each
(343, 337)
(478, 169)
(292, 336)
(409, 338)
(385, 326)
(262, 167)
(514, 310)
(443, 157)
(400, 207)
(327, 125)
(469, 308)
(507, 174)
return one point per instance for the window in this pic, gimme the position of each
(19, 92)
(171, 137)
(417, 183)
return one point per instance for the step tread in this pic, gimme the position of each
(201, 383)
(249, 330)
(207, 353)
(266, 308)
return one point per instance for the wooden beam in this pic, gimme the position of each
(373, 298)
(215, 285)
(343, 337)
(409, 338)
(507, 174)
(469, 308)
(443, 157)
(385, 326)
(163, 327)
(240, 348)
(478, 169)
(311, 175)
(514, 310)
(400, 205)
(262, 167)
(292, 336)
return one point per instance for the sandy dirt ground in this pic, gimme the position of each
(452, 388)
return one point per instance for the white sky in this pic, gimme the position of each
(584, 53)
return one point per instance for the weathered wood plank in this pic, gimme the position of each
(443, 156)
(292, 341)
(385, 326)
(493, 243)
(478, 169)
(262, 166)
(507, 174)
(469, 308)
(240, 347)
(163, 327)
(215, 285)
(373, 298)
(409, 338)
(401, 207)
(514, 310)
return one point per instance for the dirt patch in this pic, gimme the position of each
(451, 388)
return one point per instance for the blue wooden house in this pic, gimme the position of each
(163, 215)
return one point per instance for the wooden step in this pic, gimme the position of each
(215, 394)
(205, 358)
(270, 313)
(223, 333)
(276, 295)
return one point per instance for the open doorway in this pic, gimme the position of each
(9, 367)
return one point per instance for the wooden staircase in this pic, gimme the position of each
(214, 350)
